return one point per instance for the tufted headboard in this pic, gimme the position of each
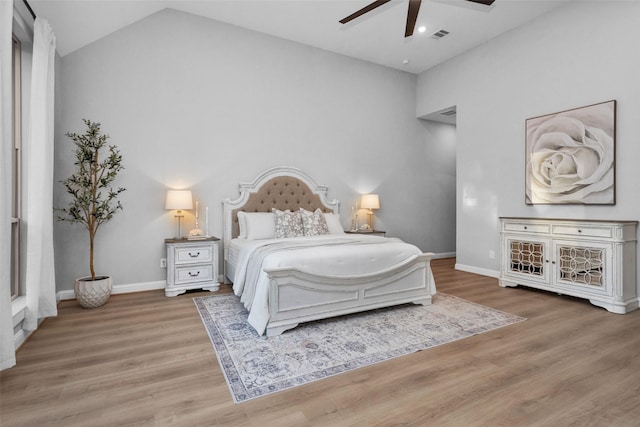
(282, 187)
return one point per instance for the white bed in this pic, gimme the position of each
(287, 281)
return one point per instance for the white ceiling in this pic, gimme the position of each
(377, 37)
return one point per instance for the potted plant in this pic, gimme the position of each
(94, 201)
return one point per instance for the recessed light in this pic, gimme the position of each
(422, 29)
(405, 61)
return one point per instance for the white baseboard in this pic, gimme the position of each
(444, 255)
(476, 270)
(66, 294)
(18, 308)
(139, 287)
(119, 289)
(20, 337)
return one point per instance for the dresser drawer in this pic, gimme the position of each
(526, 228)
(189, 255)
(194, 273)
(586, 230)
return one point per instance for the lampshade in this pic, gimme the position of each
(370, 201)
(178, 200)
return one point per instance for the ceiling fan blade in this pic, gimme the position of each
(364, 10)
(412, 17)
(484, 2)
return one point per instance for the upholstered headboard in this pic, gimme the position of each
(282, 187)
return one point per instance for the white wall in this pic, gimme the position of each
(196, 103)
(580, 54)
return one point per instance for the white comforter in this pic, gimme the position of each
(335, 255)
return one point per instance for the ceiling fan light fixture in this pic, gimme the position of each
(412, 15)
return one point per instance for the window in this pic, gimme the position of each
(16, 170)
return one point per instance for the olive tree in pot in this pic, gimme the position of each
(93, 202)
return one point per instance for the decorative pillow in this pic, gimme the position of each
(333, 223)
(256, 225)
(287, 224)
(313, 223)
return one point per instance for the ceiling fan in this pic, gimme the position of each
(412, 14)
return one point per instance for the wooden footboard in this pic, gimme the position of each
(290, 291)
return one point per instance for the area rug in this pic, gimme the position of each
(255, 366)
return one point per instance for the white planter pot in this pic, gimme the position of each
(93, 293)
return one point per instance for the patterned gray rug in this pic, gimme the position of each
(255, 366)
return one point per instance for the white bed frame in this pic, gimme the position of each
(296, 296)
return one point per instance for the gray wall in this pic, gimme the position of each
(439, 221)
(196, 103)
(581, 54)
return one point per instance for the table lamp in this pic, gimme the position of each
(178, 200)
(370, 202)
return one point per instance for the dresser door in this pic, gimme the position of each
(582, 267)
(527, 257)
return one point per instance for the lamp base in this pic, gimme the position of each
(370, 215)
(179, 226)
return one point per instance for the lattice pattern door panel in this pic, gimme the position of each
(582, 266)
(526, 257)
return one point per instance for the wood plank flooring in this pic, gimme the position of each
(146, 360)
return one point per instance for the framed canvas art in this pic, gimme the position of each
(570, 156)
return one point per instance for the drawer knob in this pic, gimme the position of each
(194, 256)
(196, 274)
(579, 231)
(525, 227)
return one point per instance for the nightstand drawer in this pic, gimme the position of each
(189, 255)
(195, 273)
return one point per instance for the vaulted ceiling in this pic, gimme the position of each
(377, 36)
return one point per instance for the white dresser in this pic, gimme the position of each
(191, 264)
(595, 260)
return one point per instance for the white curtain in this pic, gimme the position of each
(7, 343)
(40, 273)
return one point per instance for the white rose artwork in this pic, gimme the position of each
(570, 156)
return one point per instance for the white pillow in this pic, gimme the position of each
(256, 225)
(242, 224)
(334, 224)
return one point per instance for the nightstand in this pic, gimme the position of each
(191, 264)
(374, 232)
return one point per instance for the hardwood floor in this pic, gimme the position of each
(144, 359)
